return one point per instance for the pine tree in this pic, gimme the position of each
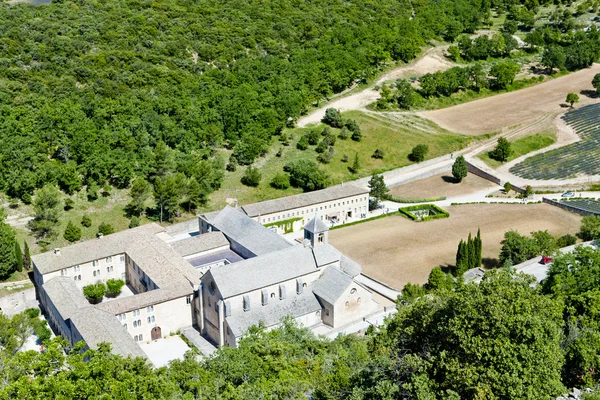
(26, 256)
(18, 256)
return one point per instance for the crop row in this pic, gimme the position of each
(592, 206)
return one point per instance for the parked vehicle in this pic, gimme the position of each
(546, 260)
(567, 194)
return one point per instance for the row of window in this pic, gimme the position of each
(77, 268)
(312, 210)
(136, 313)
(348, 303)
(108, 260)
(139, 338)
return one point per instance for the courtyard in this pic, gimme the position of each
(395, 250)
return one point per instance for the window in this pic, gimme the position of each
(141, 337)
(151, 319)
(347, 304)
(77, 268)
(272, 295)
(108, 259)
(188, 300)
(125, 326)
(122, 317)
(122, 258)
(150, 309)
(109, 269)
(304, 285)
(137, 324)
(94, 263)
(136, 313)
(94, 273)
(63, 272)
(318, 313)
(358, 300)
(353, 291)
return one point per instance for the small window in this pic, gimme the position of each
(353, 291)
(188, 300)
(347, 304)
(108, 259)
(125, 326)
(136, 313)
(122, 258)
(94, 263)
(141, 337)
(151, 319)
(304, 285)
(107, 269)
(136, 338)
(318, 313)
(272, 295)
(63, 272)
(358, 300)
(150, 309)
(94, 273)
(78, 277)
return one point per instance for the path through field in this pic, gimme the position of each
(431, 61)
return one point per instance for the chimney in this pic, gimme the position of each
(57, 251)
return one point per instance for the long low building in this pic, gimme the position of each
(229, 275)
(337, 204)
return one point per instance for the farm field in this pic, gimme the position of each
(522, 146)
(396, 250)
(395, 136)
(440, 185)
(589, 205)
(494, 113)
(576, 159)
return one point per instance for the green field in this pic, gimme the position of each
(395, 135)
(523, 146)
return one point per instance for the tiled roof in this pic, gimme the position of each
(248, 233)
(315, 225)
(303, 200)
(200, 243)
(332, 284)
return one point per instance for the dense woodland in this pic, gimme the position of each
(506, 338)
(89, 88)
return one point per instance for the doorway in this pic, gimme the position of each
(156, 333)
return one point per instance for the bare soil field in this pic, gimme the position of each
(440, 185)
(494, 113)
(396, 250)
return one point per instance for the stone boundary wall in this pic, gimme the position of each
(567, 206)
(473, 169)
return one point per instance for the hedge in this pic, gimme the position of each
(363, 220)
(398, 200)
(441, 213)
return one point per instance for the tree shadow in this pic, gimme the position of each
(592, 94)
(489, 263)
(564, 105)
(449, 179)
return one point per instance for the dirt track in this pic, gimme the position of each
(496, 112)
(395, 250)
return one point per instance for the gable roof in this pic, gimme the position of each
(315, 225)
(303, 200)
(200, 243)
(250, 234)
(332, 284)
(258, 272)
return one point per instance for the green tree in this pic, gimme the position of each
(507, 187)
(134, 222)
(72, 232)
(26, 256)
(355, 164)
(502, 150)
(404, 94)
(517, 248)
(528, 191)
(167, 192)
(47, 209)
(438, 280)
(280, 181)
(18, 257)
(114, 287)
(590, 227)
(554, 57)
(596, 83)
(305, 174)
(418, 153)
(572, 98)
(140, 193)
(566, 240)
(70, 181)
(251, 177)
(94, 292)
(378, 191)
(86, 221)
(163, 162)
(302, 143)
(504, 73)
(333, 118)
(411, 292)
(459, 169)
(105, 228)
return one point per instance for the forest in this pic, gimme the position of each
(89, 88)
(505, 338)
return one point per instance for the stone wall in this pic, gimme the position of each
(17, 302)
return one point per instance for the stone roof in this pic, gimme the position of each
(258, 272)
(96, 326)
(272, 313)
(200, 243)
(326, 254)
(250, 234)
(350, 266)
(83, 252)
(302, 200)
(315, 225)
(66, 297)
(332, 284)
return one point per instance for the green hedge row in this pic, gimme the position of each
(441, 213)
(398, 200)
(363, 220)
(496, 202)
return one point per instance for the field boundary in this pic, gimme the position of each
(568, 207)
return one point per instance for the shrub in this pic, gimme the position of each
(306, 174)
(106, 189)
(43, 332)
(329, 139)
(356, 135)
(344, 134)
(94, 292)
(280, 181)
(32, 312)
(418, 153)
(72, 232)
(134, 222)
(333, 118)
(313, 137)
(105, 229)
(378, 154)
(69, 203)
(86, 221)
(302, 143)
(566, 240)
(321, 147)
(279, 152)
(92, 191)
(507, 187)
(345, 158)
(232, 164)
(440, 213)
(113, 287)
(352, 125)
(502, 150)
(325, 157)
(252, 177)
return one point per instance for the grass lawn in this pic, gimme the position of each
(523, 146)
(394, 135)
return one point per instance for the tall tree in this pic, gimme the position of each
(140, 193)
(18, 257)
(502, 151)
(459, 168)
(8, 259)
(378, 190)
(47, 209)
(167, 193)
(26, 256)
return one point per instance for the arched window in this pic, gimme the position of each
(272, 295)
(353, 291)
(358, 300)
(347, 304)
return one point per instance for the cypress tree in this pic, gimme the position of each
(26, 256)
(460, 252)
(470, 252)
(18, 256)
(478, 247)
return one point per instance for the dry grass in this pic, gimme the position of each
(395, 250)
(440, 185)
(494, 113)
